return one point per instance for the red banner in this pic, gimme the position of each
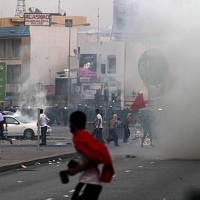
(138, 103)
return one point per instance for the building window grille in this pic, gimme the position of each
(13, 74)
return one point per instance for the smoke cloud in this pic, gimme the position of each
(174, 28)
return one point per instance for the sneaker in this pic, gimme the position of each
(117, 145)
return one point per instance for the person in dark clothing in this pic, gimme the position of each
(126, 128)
(112, 132)
(65, 116)
(2, 122)
(57, 112)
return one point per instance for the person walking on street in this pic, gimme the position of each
(126, 128)
(112, 132)
(2, 122)
(147, 128)
(43, 121)
(91, 153)
(65, 115)
(98, 129)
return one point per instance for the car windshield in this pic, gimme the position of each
(23, 119)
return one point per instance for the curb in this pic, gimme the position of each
(39, 160)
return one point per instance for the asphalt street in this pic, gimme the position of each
(141, 173)
(136, 178)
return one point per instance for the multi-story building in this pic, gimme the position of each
(102, 71)
(34, 54)
(15, 51)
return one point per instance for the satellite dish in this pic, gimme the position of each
(34, 10)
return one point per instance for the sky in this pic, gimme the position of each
(87, 8)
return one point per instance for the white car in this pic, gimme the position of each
(20, 126)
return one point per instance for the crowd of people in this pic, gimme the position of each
(92, 146)
(115, 124)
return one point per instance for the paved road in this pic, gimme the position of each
(141, 173)
(141, 177)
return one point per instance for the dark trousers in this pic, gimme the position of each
(3, 137)
(65, 121)
(126, 133)
(43, 134)
(90, 192)
(97, 133)
(113, 136)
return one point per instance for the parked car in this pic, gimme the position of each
(6, 112)
(20, 126)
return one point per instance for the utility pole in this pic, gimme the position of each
(98, 27)
(59, 6)
(21, 8)
(69, 24)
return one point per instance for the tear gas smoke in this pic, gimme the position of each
(32, 96)
(174, 27)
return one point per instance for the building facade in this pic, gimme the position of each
(59, 59)
(15, 52)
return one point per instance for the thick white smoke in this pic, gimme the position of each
(174, 27)
(32, 96)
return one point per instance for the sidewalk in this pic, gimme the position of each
(27, 153)
(11, 156)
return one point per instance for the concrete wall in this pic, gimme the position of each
(49, 52)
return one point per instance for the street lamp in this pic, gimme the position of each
(69, 24)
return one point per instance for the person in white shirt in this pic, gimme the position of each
(98, 126)
(44, 120)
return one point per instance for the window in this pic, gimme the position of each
(103, 68)
(13, 74)
(10, 48)
(111, 64)
(2, 48)
(10, 120)
(16, 48)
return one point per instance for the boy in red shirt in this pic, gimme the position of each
(92, 153)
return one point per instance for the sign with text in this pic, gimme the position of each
(2, 81)
(37, 19)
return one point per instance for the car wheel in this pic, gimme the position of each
(29, 134)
